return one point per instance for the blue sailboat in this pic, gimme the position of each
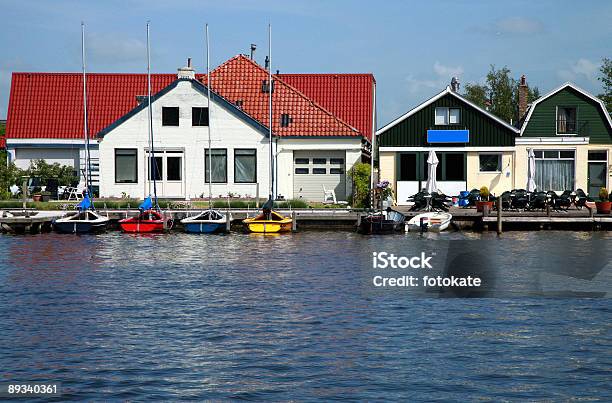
(87, 220)
(207, 221)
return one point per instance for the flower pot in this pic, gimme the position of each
(480, 205)
(603, 207)
(45, 198)
(36, 198)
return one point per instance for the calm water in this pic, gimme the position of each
(296, 317)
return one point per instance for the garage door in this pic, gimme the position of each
(314, 169)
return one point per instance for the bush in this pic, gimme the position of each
(65, 174)
(360, 175)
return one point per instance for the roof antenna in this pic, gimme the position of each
(253, 48)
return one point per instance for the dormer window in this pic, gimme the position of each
(285, 120)
(566, 120)
(239, 103)
(447, 116)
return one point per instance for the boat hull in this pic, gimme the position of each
(79, 227)
(204, 228)
(146, 222)
(389, 223)
(268, 227)
(434, 222)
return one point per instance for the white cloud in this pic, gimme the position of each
(582, 69)
(437, 80)
(115, 49)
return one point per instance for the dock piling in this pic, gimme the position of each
(499, 216)
(293, 221)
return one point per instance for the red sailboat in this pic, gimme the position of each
(150, 218)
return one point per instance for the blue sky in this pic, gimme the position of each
(413, 48)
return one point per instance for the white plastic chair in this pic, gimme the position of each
(329, 197)
(75, 193)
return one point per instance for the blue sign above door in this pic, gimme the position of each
(448, 136)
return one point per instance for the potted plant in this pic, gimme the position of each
(484, 200)
(37, 194)
(603, 204)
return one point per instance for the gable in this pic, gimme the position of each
(199, 88)
(411, 130)
(591, 119)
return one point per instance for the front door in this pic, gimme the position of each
(597, 170)
(170, 181)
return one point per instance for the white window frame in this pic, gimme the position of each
(575, 159)
(447, 116)
(557, 121)
(500, 159)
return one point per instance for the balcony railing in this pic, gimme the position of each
(579, 127)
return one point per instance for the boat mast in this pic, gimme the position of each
(85, 128)
(270, 86)
(209, 121)
(153, 163)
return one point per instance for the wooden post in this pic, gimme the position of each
(257, 195)
(547, 210)
(293, 221)
(499, 215)
(228, 222)
(24, 191)
(358, 220)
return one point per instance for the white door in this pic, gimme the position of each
(315, 170)
(170, 178)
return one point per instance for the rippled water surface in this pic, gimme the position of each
(295, 317)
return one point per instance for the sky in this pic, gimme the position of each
(413, 48)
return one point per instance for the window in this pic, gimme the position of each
(447, 116)
(218, 166)
(554, 170)
(156, 167)
(566, 120)
(490, 162)
(336, 161)
(239, 103)
(454, 169)
(174, 167)
(245, 166)
(302, 161)
(301, 171)
(170, 116)
(319, 171)
(598, 155)
(285, 120)
(441, 116)
(265, 87)
(126, 165)
(408, 167)
(453, 116)
(336, 171)
(199, 116)
(320, 161)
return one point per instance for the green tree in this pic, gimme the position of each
(606, 81)
(499, 95)
(360, 174)
(41, 169)
(9, 175)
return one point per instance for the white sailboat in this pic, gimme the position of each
(208, 221)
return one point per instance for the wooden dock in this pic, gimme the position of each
(28, 221)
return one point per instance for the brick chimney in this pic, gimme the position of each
(523, 95)
(187, 71)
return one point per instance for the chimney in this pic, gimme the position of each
(186, 72)
(253, 48)
(523, 95)
(267, 62)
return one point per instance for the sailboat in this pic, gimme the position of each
(149, 219)
(269, 221)
(208, 221)
(87, 220)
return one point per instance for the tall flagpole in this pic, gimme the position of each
(270, 86)
(85, 126)
(209, 120)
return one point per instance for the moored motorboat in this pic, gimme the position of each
(386, 222)
(207, 222)
(434, 221)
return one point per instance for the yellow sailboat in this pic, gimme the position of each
(269, 221)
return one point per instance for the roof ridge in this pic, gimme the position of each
(299, 93)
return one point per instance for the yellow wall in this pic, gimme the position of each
(581, 163)
(387, 168)
(497, 182)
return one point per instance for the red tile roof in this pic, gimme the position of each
(348, 96)
(50, 105)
